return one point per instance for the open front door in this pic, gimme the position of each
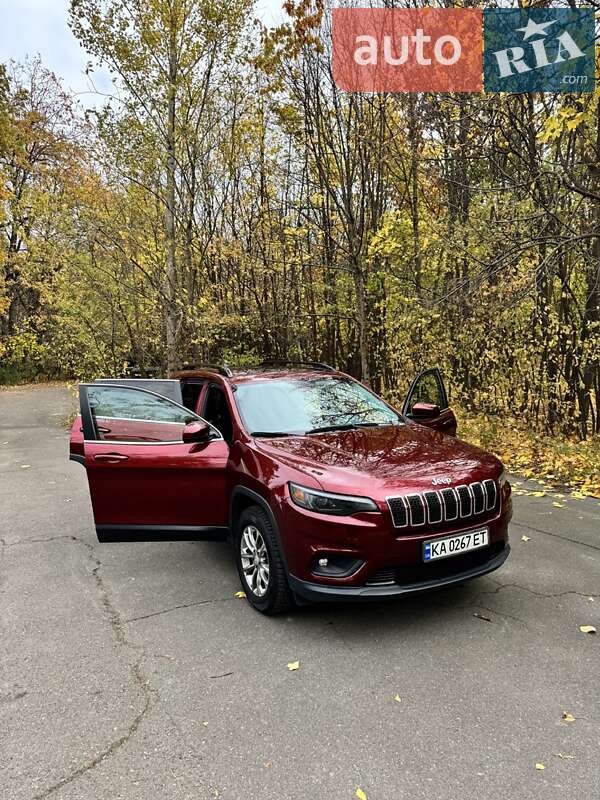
(427, 402)
(146, 483)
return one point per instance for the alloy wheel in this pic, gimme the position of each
(255, 560)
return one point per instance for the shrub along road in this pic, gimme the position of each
(132, 671)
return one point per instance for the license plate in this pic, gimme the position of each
(455, 545)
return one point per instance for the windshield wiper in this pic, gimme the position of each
(348, 427)
(269, 434)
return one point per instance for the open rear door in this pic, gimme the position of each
(146, 483)
(427, 402)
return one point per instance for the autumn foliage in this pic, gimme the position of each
(230, 203)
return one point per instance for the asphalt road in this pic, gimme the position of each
(132, 671)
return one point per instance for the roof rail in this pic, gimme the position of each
(220, 369)
(317, 365)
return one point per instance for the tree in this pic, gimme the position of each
(165, 55)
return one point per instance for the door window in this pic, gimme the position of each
(130, 415)
(428, 388)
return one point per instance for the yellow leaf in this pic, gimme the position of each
(397, 698)
(568, 717)
(240, 594)
(525, 538)
(587, 629)
(293, 666)
(360, 794)
(537, 494)
(559, 505)
(540, 766)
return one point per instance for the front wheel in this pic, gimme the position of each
(260, 563)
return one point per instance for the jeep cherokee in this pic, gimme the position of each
(326, 491)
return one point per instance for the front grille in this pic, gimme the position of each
(448, 505)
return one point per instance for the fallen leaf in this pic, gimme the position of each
(480, 616)
(397, 698)
(537, 494)
(205, 724)
(25, 466)
(293, 666)
(360, 794)
(525, 538)
(587, 629)
(559, 505)
(540, 766)
(562, 755)
(568, 717)
(241, 595)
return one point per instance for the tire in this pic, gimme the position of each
(257, 553)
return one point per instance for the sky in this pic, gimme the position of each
(32, 27)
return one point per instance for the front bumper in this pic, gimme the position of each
(316, 592)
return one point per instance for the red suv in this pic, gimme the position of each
(326, 491)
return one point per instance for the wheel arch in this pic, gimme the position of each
(243, 498)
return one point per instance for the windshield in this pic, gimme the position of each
(310, 405)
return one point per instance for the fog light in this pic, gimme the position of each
(336, 565)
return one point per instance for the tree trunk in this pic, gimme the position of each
(170, 225)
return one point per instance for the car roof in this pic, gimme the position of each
(239, 376)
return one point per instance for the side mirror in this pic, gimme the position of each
(197, 431)
(425, 411)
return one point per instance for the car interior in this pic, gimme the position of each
(216, 411)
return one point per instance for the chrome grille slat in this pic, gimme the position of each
(478, 498)
(397, 506)
(450, 501)
(465, 499)
(491, 494)
(418, 514)
(447, 505)
(435, 511)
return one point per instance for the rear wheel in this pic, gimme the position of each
(260, 563)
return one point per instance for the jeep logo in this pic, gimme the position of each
(441, 481)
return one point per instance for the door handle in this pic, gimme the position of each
(104, 430)
(111, 458)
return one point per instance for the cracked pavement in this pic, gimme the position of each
(131, 671)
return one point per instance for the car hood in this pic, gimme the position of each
(384, 461)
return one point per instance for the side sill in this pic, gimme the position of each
(109, 534)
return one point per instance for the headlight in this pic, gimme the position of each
(341, 505)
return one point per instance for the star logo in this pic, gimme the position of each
(535, 28)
